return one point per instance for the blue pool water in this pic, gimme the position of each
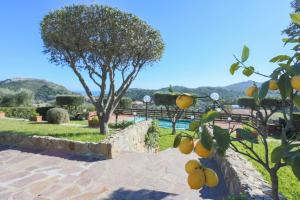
(165, 123)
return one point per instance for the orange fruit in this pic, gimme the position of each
(201, 151)
(184, 101)
(295, 82)
(192, 165)
(196, 179)
(273, 85)
(250, 91)
(186, 145)
(211, 177)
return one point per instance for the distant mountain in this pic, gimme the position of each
(42, 89)
(241, 86)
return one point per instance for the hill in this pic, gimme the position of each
(42, 90)
(241, 86)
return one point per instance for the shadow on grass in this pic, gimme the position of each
(54, 153)
(126, 194)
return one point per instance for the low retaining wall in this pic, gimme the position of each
(131, 138)
(241, 178)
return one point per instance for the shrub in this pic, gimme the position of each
(94, 122)
(18, 112)
(58, 116)
(121, 125)
(152, 136)
(125, 103)
(42, 111)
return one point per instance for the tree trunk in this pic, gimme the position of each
(173, 128)
(104, 124)
(274, 179)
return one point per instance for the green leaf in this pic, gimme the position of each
(280, 58)
(209, 116)
(290, 40)
(222, 137)
(248, 71)
(280, 152)
(296, 69)
(284, 84)
(296, 166)
(245, 54)
(247, 135)
(286, 67)
(276, 73)
(234, 67)
(194, 126)
(206, 138)
(288, 157)
(177, 141)
(295, 18)
(297, 101)
(263, 91)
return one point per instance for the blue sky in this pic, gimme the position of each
(200, 37)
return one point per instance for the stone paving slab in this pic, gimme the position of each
(46, 175)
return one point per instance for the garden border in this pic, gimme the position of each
(242, 178)
(131, 138)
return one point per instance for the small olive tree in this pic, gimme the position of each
(288, 153)
(168, 100)
(102, 44)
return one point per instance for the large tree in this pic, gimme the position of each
(104, 45)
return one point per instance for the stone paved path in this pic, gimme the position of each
(41, 175)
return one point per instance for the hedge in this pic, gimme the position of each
(42, 111)
(69, 100)
(18, 112)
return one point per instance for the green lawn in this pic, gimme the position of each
(166, 138)
(289, 186)
(84, 134)
(80, 122)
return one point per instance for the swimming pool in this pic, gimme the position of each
(166, 123)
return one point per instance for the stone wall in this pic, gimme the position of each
(130, 139)
(241, 177)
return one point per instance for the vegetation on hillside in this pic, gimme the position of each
(42, 90)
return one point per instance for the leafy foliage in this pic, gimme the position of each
(22, 97)
(125, 103)
(121, 125)
(152, 136)
(69, 100)
(42, 111)
(58, 116)
(104, 42)
(18, 112)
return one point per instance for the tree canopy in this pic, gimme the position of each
(103, 42)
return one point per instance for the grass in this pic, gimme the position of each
(75, 133)
(166, 138)
(80, 122)
(289, 186)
